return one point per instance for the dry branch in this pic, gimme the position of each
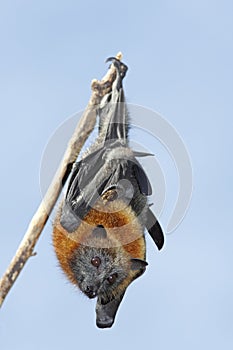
(81, 133)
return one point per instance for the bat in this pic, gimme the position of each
(99, 228)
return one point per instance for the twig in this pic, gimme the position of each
(81, 133)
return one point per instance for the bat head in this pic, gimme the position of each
(104, 270)
(106, 309)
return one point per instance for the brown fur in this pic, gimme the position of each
(123, 229)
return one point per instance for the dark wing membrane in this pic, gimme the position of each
(142, 179)
(117, 126)
(68, 219)
(83, 172)
(114, 112)
(84, 186)
(114, 115)
(91, 177)
(74, 212)
(154, 229)
(94, 175)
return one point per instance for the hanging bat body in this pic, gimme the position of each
(98, 233)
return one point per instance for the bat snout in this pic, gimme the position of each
(106, 312)
(104, 322)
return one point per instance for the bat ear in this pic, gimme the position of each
(138, 264)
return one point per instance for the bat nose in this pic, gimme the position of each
(90, 292)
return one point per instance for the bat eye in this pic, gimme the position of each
(112, 278)
(96, 261)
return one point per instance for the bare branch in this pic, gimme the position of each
(81, 133)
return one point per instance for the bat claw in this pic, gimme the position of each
(121, 67)
(142, 154)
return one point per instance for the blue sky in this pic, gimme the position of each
(179, 55)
